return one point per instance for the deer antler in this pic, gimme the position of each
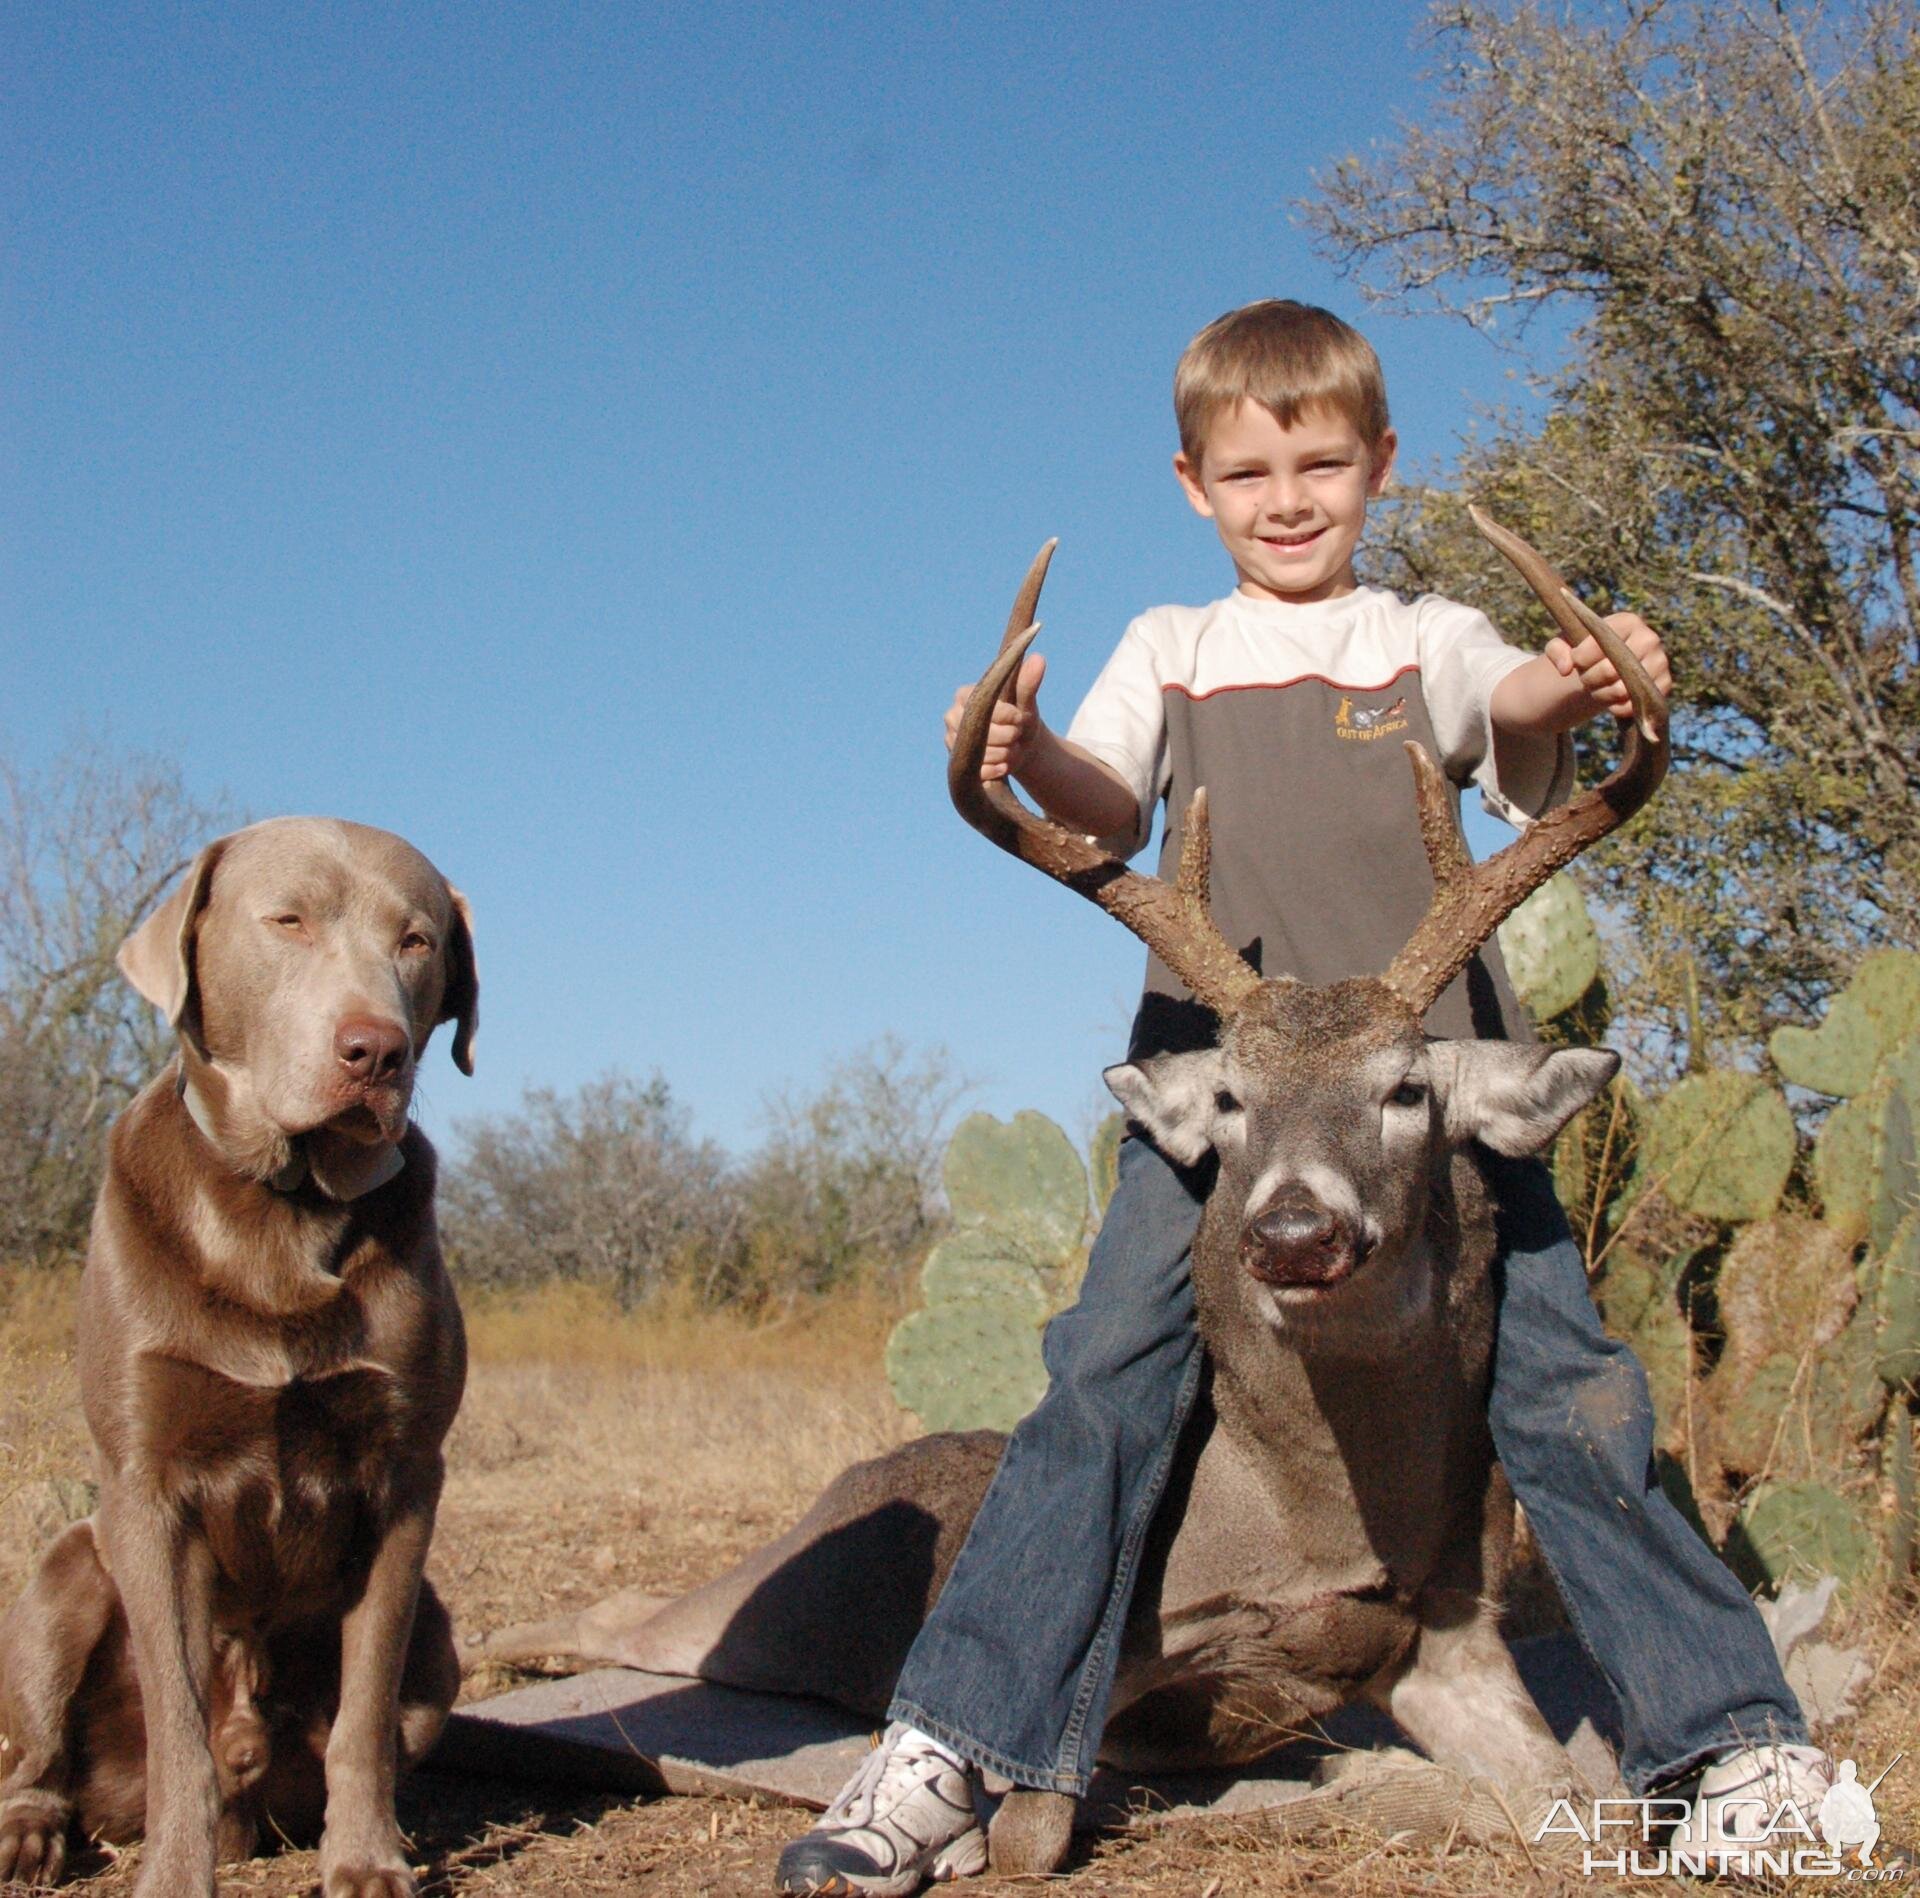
(1471, 900)
(1170, 918)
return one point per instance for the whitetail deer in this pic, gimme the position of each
(1341, 1527)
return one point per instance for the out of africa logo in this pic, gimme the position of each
(1371, 721)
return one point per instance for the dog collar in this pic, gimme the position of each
(297, 1172)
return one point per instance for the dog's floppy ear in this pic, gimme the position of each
(158, 957)
(460, 1003)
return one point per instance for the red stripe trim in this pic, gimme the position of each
(1280, 685)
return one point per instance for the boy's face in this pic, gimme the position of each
(1288, 503)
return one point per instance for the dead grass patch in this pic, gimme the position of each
(599, 1450)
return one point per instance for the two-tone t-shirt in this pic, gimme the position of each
(1295, 719)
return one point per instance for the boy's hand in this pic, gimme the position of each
(1598, 679)
(1014, 726)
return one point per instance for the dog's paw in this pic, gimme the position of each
(33, 1837)
(368, 1881)
(367, 1866)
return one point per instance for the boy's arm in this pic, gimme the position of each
(1067, 782)
(1567, 685)
(1564, 686)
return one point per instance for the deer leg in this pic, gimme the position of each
(1458, 1695)
(1031, 1833)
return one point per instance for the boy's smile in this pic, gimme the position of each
(1288, 503)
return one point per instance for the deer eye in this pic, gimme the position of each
(1407, 1094)
(1225, 1100)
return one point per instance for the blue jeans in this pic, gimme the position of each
(1015, 1664)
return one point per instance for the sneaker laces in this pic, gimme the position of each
(897, 1759)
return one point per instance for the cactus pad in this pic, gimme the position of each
(1804, 1529)
(1721, 1144)
(1639, 1299)
(1550, 947)
(1846, 1159)
(1021, 1177)
(1866, 1021)
(1898, 1297)
(1896, 1186)
(977, 1264)
(1784, 1285)
(972, 1364)
(1103, 1160)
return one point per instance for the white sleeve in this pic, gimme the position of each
(1462, 659)
(1122, 721)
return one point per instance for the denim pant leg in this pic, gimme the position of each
(1015, 1663)
(1689, 1658)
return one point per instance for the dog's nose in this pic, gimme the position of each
(370, 1050)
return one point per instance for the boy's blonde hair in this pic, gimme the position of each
(1286, 356)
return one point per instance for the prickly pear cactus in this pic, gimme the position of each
(1785, 1285)
(1804, 1530)
(1022, 1177)
(1103, 1161)
(1550, 947)
(970, 1364)
(970, 1358)
(1896, 1187)
(1640, 1300)
(1721, 1144)
(1847, 1158)
(1593, 1157)
(978, 1263)
(1866, 1021)
(1897, 1293)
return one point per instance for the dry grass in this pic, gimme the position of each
(599, 1450)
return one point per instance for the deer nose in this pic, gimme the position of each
(370, 1050)
(1297, 1240)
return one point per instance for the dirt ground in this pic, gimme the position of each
(593, 1455)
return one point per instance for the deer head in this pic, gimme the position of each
(1327, 1107)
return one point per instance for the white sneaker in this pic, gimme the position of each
(1741, 1791)
(905, 1817)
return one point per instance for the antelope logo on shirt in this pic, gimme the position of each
(1375, 722)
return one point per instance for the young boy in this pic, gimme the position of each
(1275, 698)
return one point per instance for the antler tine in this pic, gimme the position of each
(1470, 901)
(1171, 919)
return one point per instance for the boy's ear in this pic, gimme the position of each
(1188, 474)
(1380, 456)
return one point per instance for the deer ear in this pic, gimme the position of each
(158, 957)
(1514, 1098)
(460, 1002)
(1175, 1097)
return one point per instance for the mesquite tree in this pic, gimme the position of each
(1721, 204)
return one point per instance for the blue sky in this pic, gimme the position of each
(594, 442)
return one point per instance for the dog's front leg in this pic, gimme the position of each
(164, 1572)
(362, 1854)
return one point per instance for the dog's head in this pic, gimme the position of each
(306, 962)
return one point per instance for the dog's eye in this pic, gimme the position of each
(1407, 1094)
(290, 921)
(414, 942)
(1226, 1101)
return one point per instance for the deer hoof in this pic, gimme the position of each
(1031, 1832)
